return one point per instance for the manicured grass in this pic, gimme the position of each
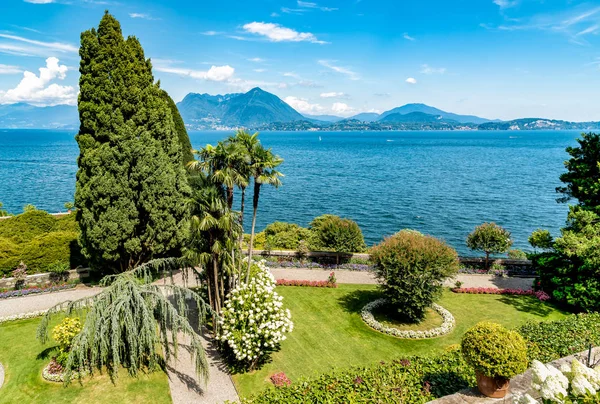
(22, 356)
(432, 320)
(329, 332)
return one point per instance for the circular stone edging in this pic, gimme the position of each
(447, 324)
(1, 375)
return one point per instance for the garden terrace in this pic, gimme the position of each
(329, 333)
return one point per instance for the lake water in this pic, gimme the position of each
(440, 183)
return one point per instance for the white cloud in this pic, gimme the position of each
(291, 74)
(56, 46)
(506, 3)
(308, 4)
(215, 73)
(39, 1)
(333, 95)
(342, 109)
(260, 70)
(8, 69)
(274, 14)
(256, 60)
(143, 16)
(426, 69)
(303, 106)
(408, 37)
(339, 69)
(278, 33)
(210, 33)
(411, 80)
(37, 90)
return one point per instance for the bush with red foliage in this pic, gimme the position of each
(540, 294)
(280, 380)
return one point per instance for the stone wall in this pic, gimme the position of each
(520, 384)
(46, 278)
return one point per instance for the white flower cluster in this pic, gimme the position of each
(254, 322)
(22, 316)
(571, 382)
(445, 328)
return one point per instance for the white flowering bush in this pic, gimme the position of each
(572, 383)
(447, 324)
(254, 322)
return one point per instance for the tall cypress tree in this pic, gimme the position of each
(131, 186)
(184, 139)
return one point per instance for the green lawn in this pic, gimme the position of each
(19, 354)
(329, 332)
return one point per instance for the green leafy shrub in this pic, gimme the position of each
(411, 268)
(494, 350)
(10, 253)
(42, 252)
(541, 239)
(406, 380)
(2, 211)
(24, 227)
(333, 233)
(63, 334)
(29, 208)
(551, 340)
(286, 235)
(516, 254)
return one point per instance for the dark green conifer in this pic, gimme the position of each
(131, 186)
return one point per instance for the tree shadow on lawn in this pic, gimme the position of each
(48, 352)
(444, 383)
(354, 301)
(527, 304)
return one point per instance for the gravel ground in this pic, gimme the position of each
(469, 281)
(27, 304)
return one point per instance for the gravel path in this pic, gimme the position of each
(357, 277)
(28, 304)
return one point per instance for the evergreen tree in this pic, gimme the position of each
(184, 139)
(131, 186)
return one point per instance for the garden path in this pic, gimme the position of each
(359, 277)
(44, 301)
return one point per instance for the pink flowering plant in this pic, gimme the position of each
(540, 294)
(280, 380)
(314, 284)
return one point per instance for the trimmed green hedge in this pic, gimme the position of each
(551, 340)
(409, 380)
(40, 240)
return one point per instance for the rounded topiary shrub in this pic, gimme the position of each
(494, 351)
(411, 269)
(45, 251)
(333, 233)
(286, 235)
(10, 253)
(24, 227)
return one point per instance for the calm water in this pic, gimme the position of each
(441, 183)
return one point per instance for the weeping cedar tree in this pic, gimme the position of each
(133, 323)
(131, 184)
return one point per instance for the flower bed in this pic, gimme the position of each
(280, 379)
(313, 284)
(35, 290)
(53, 372)
(445, 328)
(540, 294)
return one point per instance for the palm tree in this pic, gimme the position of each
(262, 166)
(214, 229)
(247, 142)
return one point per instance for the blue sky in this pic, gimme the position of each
(493, 58)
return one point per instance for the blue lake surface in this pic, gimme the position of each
(440, 183)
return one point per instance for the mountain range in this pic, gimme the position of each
(261, 110)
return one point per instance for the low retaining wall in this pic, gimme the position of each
(520, 384)
(46, 278)
(58, 214)
(475, 262)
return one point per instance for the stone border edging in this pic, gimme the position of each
(445, 328)
(22, 316)
(1, 375)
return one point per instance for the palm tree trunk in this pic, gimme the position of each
(229, 197)
(243, 199)
(255, 209)
(210, 299)
(216, 284)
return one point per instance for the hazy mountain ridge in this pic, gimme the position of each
(261, 110)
